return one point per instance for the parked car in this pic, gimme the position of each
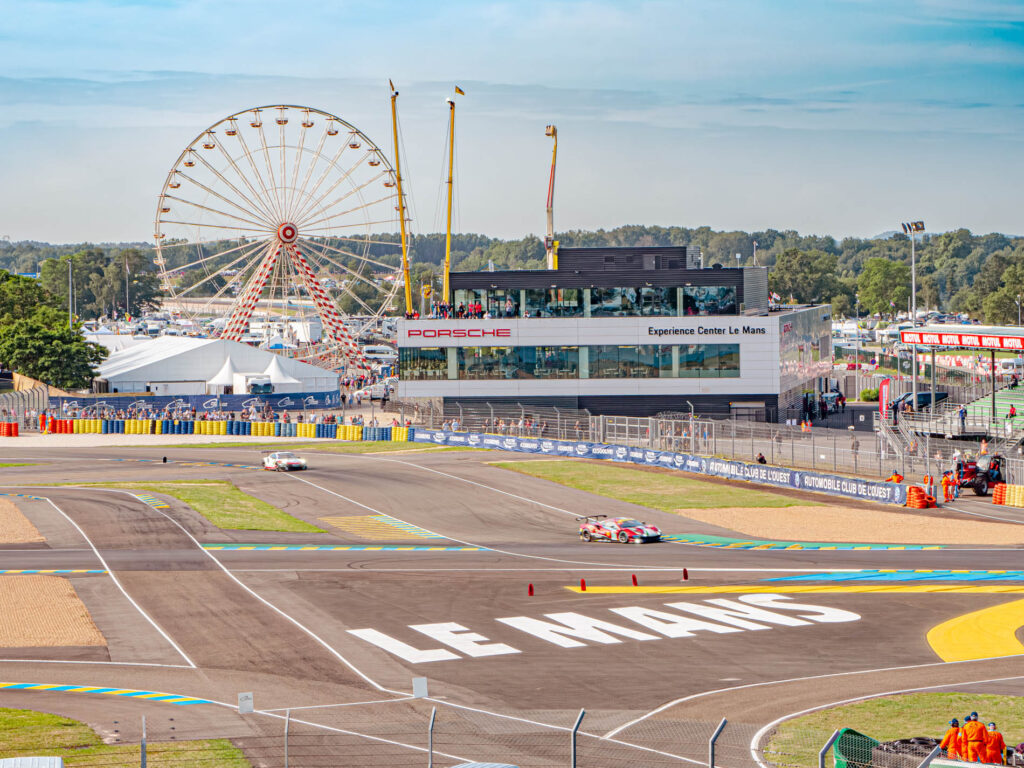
(924, 399)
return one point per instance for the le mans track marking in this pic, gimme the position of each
(981, 634)
(756, 740)
(167, 698)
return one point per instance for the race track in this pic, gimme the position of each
(424, 572)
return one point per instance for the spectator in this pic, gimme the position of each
(1013, 412)
(761, 459)
(962, 413)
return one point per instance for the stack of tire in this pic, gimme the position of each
(999, 493)
(918, 498)
(8, 429)
(1008, 495)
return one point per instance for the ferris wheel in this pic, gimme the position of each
(273, 228)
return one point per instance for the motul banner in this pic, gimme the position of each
(965, 340)
(883, 396)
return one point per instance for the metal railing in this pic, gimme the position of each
(24, 406)
(515, 419)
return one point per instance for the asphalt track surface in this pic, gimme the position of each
(304, 629)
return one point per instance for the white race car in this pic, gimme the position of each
(283, 461)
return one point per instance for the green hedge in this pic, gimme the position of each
(869, 395)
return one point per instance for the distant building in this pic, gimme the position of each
(627, 331)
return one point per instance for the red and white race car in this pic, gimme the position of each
(283, 461)
(624, 530)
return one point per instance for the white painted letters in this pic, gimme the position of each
(400, 649)
(670, 624)
(574, 625)
(817, 613)
(738, 614)
(462, 639)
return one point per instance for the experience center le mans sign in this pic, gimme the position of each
(965, 340)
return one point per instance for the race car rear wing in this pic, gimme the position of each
(585, 518)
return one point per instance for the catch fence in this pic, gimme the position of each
(870, 454)
(512, 419)
(413, 733)
(25, 406)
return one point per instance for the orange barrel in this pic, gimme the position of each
(14, 429)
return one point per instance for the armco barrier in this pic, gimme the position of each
(781, 477)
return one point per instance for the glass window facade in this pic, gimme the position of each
(553, 302)
(709, 300)
(488, 362)
(614, 302)
(702, 361)
(646, 301)
(548, 362)
(644, 361)
(423, 363)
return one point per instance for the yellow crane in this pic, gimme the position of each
(446, 295)
(550, 246)
(401, 200)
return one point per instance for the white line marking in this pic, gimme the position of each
(981, 514)
(452, 538)
(343, 704)
(760, 734)
(691, 697)
(116, 581)
(566, 730)
(109, 663)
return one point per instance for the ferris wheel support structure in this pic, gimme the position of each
(291, 225)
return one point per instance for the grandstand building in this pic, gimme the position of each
(625, 331)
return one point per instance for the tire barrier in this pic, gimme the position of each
(8, 429)
(1008, 495)
(350, 432)
(918, 498)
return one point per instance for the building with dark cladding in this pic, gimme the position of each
(624, 331)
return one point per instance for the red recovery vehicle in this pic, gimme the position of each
(980, 474)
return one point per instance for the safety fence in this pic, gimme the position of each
(519, 419)
(419, 733)
(354, 432)
(756, 472)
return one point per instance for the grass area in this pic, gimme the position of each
(223, 504)
(24, 732)
(657, 490)
(340, 446)
(796, 742)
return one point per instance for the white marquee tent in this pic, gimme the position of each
(173, 365)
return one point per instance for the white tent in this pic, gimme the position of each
(184, 365)
(225, 377)
(277, 374)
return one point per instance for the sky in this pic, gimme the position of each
(843, 117)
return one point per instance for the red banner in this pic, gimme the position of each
(965, 340)
(883, 397)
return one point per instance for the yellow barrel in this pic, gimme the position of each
(222, 427)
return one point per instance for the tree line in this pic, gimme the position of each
(956, 271)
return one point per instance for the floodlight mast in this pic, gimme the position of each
(549, 239)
